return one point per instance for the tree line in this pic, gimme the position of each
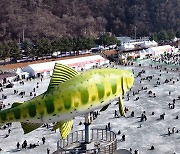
(165, 35)
(46, 47)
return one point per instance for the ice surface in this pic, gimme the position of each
(152, 132)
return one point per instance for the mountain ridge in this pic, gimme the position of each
(74, 18)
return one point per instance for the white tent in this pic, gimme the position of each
(147, 44)
(156, 51)
(126, 46)
(76, 63)
(154, 43)
(21, 74)
(142, 54)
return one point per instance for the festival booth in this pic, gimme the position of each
(122, 59)
(130, 56)
(143, 54)
(137, 55)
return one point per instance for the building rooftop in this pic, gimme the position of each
(24, 64)
(110, 52)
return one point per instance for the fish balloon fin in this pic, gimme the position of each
(125, 83)
(29, 127)
(104, 108)
(64, 127)
(15, 104)
(121, 108)
(61, 74)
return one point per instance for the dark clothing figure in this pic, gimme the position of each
(48, 151)
(162, 116)
(174, 100)
(152, 147)
(115, 114)
(143, 117)
(43, 140)
(9, 131)
(169, 105)
(123, 138)
(169, 133)
(109, 126)
(136, 152)
(132, 114)
(24, 145)
(173, 130)
(119, 132)
(18, 145)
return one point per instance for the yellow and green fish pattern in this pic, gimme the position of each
(70, 94)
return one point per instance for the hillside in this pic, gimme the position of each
(57, 18)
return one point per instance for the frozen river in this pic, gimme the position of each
(139, 135)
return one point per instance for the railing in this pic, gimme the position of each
(104, 142)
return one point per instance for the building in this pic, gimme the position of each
(156, 51)
(11, 76)
(20, 74)
(79, 63)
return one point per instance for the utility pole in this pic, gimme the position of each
(135, 28)
(19, 38)
(23, 35)
(87, 128)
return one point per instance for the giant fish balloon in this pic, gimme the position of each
(70, 94)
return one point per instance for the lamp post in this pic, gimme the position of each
(87, 128)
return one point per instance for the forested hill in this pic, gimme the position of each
(57, 18)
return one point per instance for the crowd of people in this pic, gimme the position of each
(31, 145)
(169, 59)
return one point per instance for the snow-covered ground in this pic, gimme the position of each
(139, 135)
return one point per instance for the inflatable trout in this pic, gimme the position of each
(70, 94)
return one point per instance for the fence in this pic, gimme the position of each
(104, 142)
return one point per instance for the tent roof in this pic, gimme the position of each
(50, 65)
(164, 47)
(24, 64)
